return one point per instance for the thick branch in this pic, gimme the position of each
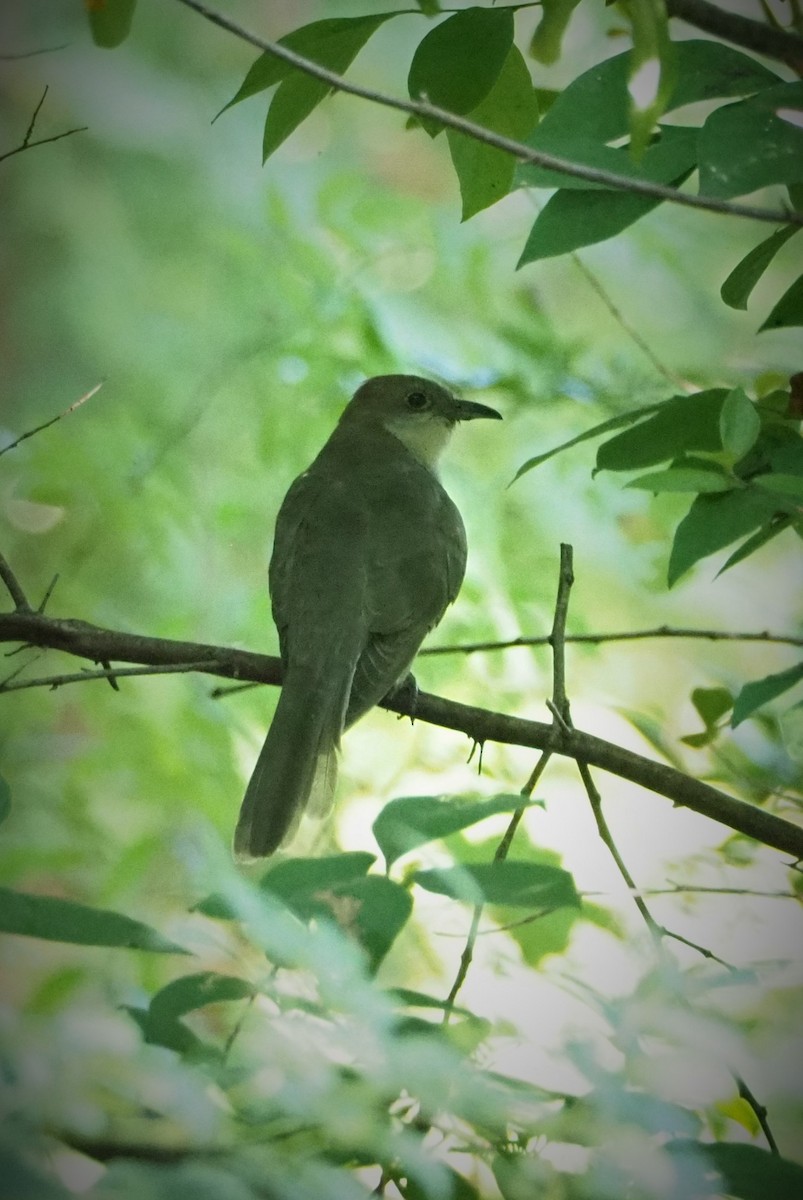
(741, 31)
(106, 645)
(519, 150)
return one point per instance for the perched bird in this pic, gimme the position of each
(369, 551)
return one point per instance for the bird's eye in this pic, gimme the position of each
(417, 401)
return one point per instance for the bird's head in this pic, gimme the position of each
(420, 413)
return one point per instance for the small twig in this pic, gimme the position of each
(110, 673)
(14, 587)
(760, 1111)
(48, 593)
(59, 417)
(625, 635)
(518, 150)
(20, 54)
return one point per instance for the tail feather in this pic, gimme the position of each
(296, 767)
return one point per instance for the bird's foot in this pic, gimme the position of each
(405, 693)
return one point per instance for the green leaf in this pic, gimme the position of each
(711, 703)
(682, 423)
(784, 485)
(458, 62)
(486, 174)
(5, 799)
(411, 821)
(685, 479)
(731, 138)
(573, 218)
(739, 424)
(762, 691)
(628, 418)
(298, 94)
(713, 522)
(754, 543)
(520, 884)
(413, 999)
(736, 289)
(546, 41)
(191, 992)
(371, 908)
(67, 921)
(748, 1172)
(789, 309)
(651, 69)
(110, 21)
(333, 43)
(594, 108)
(295, 880)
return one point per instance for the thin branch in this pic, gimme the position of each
(519, 150)
(14, 588)
(111, 673)
(20, 54)
(97, 645)
(624, 635)
(741, 31)
(759, 1110)
(625, 325)
(59, 417)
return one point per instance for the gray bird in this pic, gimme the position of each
(368, 553)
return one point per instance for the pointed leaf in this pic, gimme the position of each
(788, 311)
(754, 543)
(485, 174)
(411, 821)
(713, 522)
(519, 884)
(739, 423)
(594, 108)
(762, 691)
(67, 921)
(682, 423)
(458, 62)
(784, 485)
(628, 418)
(736, 289)
(729, 163)
(748, 1172)
(334, 43)
(685, 479)
(573, 218)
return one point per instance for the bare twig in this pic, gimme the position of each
(20, 54)
(106, 672)
(624, 635)
(759, 1110)
(14, 588)
(519, 150)
(52, 421)
(27, 144)
(97, 644)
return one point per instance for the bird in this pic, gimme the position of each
(369, 551)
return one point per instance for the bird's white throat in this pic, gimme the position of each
(426, 440)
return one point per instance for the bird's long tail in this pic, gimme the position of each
(297, 765)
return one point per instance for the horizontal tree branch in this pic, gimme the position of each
(624, 635)
(779, 44)
(519, 150)
(105, 646)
